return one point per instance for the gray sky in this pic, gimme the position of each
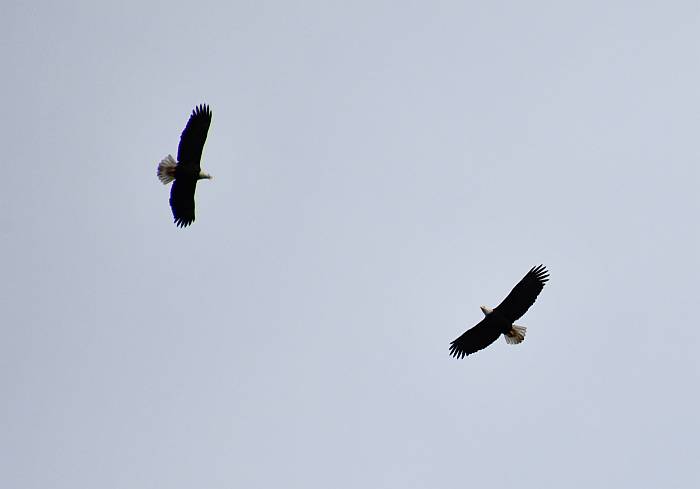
(381, 170)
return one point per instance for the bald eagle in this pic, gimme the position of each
(500, 321)
(186, 171)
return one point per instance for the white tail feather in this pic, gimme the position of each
(166, 170)
(516, 335)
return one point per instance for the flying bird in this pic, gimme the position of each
(499, 321)
(185, 172)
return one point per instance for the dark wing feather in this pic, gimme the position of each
(182, 201)
(189, 152)
(524, 294)
(475, 339)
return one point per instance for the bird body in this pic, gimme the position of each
(500, 321)
(186, 171)
(513, 333)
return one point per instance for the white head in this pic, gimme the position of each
(203, 175)
(486, 310)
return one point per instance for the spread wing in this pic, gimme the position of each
(182, 201)
(524, 294)
(189, 152)
(475, 339)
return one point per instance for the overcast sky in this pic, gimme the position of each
(381, 169)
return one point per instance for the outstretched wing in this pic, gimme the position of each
(189, 152)
(524, 294)
(475, 339)
(182, 201)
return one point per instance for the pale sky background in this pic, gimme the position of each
(381, 170)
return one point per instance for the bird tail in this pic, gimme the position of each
(516, 335)
(166, 169)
